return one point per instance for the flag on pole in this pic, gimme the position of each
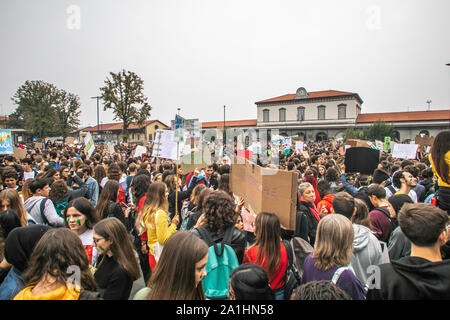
(89, 145)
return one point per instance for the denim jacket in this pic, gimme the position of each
(12, 284)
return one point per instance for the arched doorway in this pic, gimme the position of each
(321, 136)
(424, 133)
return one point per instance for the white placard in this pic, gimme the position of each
(404, 151)
(140, 150)
(299, 146)
(165, 147)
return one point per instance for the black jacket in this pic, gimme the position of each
(412, 278)
(305, 208)
(238, 241)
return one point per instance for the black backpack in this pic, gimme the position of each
(394, 223)
(297, 250)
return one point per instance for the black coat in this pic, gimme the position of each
(305, 208)
(412, 278)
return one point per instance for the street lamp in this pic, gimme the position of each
(98, 129)
(178, 109)
(224, 126)
(428, 101)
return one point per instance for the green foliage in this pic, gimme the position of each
(123, 94)
(44, 110)
(377, 131)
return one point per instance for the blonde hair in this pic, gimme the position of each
(334, 242)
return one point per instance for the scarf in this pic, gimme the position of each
(311, 207)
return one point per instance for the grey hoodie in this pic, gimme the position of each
(33, 207)
(366, 252)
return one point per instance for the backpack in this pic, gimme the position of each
(60, 207)
(297, 250)
(394, 223)
(42, 209)
(222, 260)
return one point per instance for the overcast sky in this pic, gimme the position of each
(200, 55)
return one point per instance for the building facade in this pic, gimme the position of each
(323, 115)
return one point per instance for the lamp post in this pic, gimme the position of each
(98, 128)
(224, 126)
(428, 101)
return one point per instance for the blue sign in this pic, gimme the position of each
(6, 144)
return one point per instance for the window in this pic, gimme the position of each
(265, 115)
(300, 113)
(321, 112)
(282, 113)
(342, 111)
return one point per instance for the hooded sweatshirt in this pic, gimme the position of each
(413, 278)
(366, 252)
(33, 207)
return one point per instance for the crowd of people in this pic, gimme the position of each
(117, 227)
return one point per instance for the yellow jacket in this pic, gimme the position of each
(159, 231)
(441, 183)
(62, 293)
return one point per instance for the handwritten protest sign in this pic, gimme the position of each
(404, 151)
(274, 192)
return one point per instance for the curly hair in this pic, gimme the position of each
(219, 211)
(58, 189)
(139, 186)
(320, 290)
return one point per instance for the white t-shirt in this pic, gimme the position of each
(87, 239)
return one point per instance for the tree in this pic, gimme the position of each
(67, 112)
(44, 110)
(377, 131)
(34, 100)
(123, 93)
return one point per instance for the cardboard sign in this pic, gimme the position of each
(363, 160)
(424, 141)
(356, 143)
(266, 189)
(70, 140)
(20, 153)
(404, 151)
(195, 160)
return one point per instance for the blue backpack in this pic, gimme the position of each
(222, 260)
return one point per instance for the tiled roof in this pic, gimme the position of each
(232, 123)
(118, 126)
(311, 95)
(404, 116)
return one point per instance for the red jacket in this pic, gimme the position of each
(327, 202)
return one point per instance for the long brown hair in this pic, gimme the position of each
(155, 199)
(114, 230)
(108, 195)
(174, 275)
(334, 242)
(441, 146)
(15, 203)
(268, 237)
(56, 251)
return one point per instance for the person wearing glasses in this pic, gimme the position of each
(118, 266)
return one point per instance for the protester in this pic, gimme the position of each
(440, 162)
(308, 209)
(10, 199)
(118, 266)
(47, 276)
(41, 208)
(423, 275)
(155, 221)
(332, 254)
(180, 270)
(269, 252)
(218, 218)
(80, 217)
(366, 247)
(320, 290)
(249, 282)
(18, 248)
